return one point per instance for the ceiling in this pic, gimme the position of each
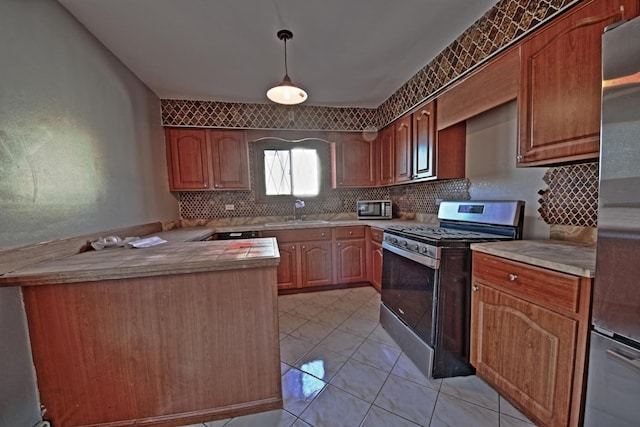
(344, 53)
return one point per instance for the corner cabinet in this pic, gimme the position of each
(206, 159)
(410, 149)
(560, 90)
(529, 329)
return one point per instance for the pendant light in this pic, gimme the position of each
(286, 92)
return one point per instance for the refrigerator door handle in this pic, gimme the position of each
(624, 360)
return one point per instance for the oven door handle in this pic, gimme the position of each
(420, 259)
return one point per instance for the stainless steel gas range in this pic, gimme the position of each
(426, 281)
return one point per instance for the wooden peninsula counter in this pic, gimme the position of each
(174, 334)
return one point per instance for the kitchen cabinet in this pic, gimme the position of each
(206, 159)
(386, 155)
(403, 159)
(375, 257)
(491, 85)
(350, 254)
(354, 160)
(187, 159)
(419, 152)
(305, 257)
(230, 159)
(423, 141)
(528, 336)
(560, 90)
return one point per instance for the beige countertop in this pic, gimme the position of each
(567, 257)
(173, 257)
(184, 252)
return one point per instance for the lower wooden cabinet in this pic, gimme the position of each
(305, 257)
(528, 336)
(350, 254)
(374, 261)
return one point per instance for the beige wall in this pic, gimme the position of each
(81, 150)
(491, 166)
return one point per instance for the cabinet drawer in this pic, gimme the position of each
(545, 287)
(355, 232)
(376, 235)
(299, 235)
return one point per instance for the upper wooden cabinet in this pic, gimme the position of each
(493, 84)
(205, 159)
(386, 155)
(354, 160)
(230, 158)
(560, 90)
(424, 141)
(403, 158)
(188, 159)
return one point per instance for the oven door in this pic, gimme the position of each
(409, 288)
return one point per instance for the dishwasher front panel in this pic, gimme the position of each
(613, 384)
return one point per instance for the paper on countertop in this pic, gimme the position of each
(146, 243)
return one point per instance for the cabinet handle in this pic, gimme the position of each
(401, 311)
(513, 277)
(474, 288)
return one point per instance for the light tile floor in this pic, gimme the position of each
(340, 368)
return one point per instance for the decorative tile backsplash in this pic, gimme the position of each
(571, 196)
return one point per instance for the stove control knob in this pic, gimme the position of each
(415, 247)
(402, 243)
(392, 240)
(423, 249)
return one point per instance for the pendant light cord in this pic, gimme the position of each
(286, 71)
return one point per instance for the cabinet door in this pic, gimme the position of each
(526, 351)
(316, 263)
(424, 141)
(355, 161)
(288, 267)
(230, 158)
(560, 91)
(386, 155)
(376, 265)
(187, 159)
(402, 142)
(350, 261)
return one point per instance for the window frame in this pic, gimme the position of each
(273, 143)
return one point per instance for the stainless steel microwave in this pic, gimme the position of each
(374, 209)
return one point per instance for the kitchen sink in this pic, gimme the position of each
(296, 222)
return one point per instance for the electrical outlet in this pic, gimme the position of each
(229, 207)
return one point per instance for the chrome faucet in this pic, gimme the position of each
(298, 204)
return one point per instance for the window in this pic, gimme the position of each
(289, 170)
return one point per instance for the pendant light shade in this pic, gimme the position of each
(286, 92)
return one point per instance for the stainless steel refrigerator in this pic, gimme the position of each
(613, 383)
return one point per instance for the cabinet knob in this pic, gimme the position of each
(339, 244)
(519, 158)
(351, 233)
(216, 185)
(205, 185)
(304, 247)
(322, 234)
(293, 248)
(513, 277)
(474, 288)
